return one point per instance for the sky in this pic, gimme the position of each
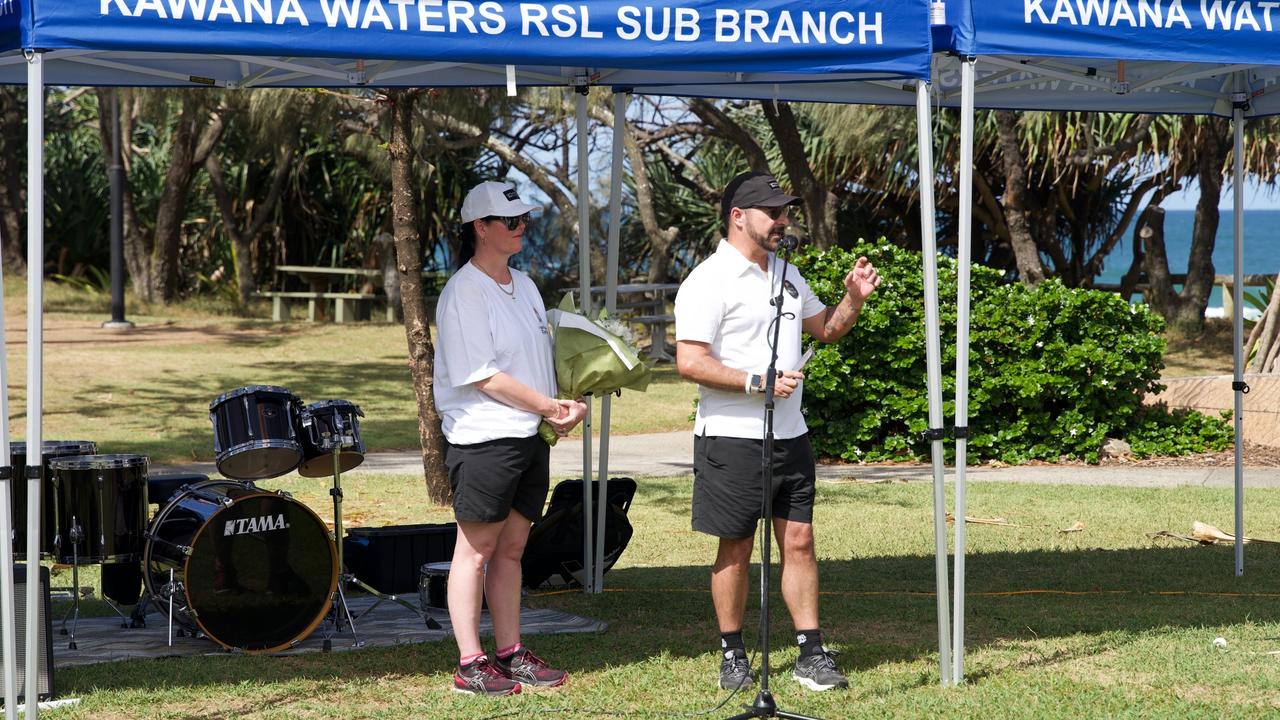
(1256, 197)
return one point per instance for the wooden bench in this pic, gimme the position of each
(657, 325)
(346, 306)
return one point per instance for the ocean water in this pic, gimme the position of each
(1261, 247)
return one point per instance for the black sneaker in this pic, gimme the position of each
(818, 672)
(735, 671)
(529, 669)
(483, 678)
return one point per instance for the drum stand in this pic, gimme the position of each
(76, 535)
(341, 611)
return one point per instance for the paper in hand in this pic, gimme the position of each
(804, 359)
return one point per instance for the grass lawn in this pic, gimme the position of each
(1102, 623)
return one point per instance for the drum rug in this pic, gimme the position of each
(101, 639)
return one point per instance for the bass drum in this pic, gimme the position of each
(252, 569)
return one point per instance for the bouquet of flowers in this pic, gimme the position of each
(593, 357)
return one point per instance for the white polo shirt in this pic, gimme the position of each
(481, 331)
(725, 303)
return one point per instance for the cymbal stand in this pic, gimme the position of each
(341, 610)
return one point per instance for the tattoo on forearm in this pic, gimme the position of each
(841, 318)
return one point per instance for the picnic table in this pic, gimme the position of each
(644, 304)
(645, 298)
(330, 284)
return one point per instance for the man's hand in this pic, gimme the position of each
(787, 383)
(862, 280)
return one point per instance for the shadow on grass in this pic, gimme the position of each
(879, 610)
(230, 332)
(193, 439)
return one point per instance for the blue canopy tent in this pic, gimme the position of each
(859, 51)
(1140, 56)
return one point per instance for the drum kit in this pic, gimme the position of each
(252, 569)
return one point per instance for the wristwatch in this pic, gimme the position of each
(755, 384)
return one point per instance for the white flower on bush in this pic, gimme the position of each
(1074, 432)
(1031, 319)
(1039, 343)
(1104, 382)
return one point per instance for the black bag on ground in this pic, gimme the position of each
(555, 546)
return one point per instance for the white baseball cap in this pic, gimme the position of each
(495, 199)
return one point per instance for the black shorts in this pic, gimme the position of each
(727, 482)
(492, 478)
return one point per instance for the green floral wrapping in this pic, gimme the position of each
(593, 357)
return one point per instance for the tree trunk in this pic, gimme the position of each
(1026, 253)
(416, 321)
(1188, 317)
(163, 282)
(821, 206)
(188, 151)
(660, 240)
(256, 216)
(1266, 335)
(1160, 295)
(1141, 233)
(13, 197)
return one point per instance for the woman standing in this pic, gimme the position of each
(494, 383)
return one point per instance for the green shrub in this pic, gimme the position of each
(1053, 371)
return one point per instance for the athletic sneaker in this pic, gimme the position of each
(529, 669)
(735, 672)
(482, 677)
(818, 672)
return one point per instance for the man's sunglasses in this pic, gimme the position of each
(512, 222)
(773, 212)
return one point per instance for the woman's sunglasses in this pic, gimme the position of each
(512, 222)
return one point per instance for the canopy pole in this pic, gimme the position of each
(1237, 320)
(611, 305)
(584, 282)
(8, 483)
(933, 356)
(963, 261)
(35, 364)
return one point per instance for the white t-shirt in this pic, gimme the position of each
(482, 331)
(725, 302)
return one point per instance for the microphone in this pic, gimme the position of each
(789, 242)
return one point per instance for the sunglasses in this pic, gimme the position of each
(512, 222)
(773, 212)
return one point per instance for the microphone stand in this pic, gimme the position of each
(764, 705)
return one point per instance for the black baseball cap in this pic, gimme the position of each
(753, 189)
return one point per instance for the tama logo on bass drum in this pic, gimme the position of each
(255, 524)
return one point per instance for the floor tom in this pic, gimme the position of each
(101, 508)
(18, 491)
